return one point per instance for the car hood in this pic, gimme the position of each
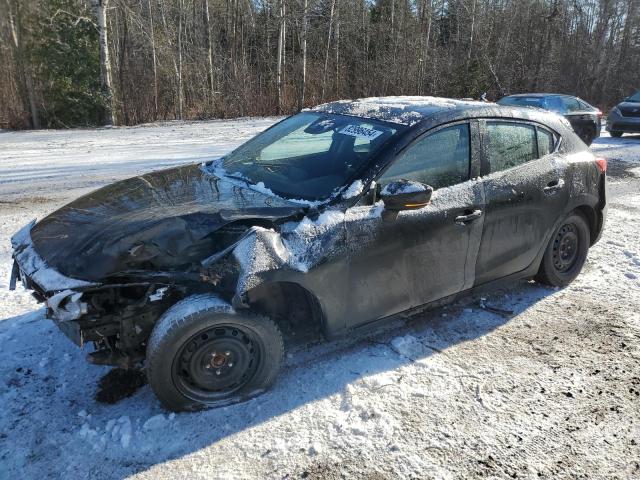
(159, 221)
(628, 105)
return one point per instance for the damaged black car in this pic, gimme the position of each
(330, 221)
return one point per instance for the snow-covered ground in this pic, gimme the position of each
(553, 391)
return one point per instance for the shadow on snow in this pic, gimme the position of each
(51, 421)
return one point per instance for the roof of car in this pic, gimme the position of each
(404, 110)
(541, 95)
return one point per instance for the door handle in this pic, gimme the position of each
(553, 186)
(468, 217)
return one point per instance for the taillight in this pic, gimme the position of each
(601, 162)
(599, 114)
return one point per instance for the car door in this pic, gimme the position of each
(524, 188)
(581, 117)
(417, 256)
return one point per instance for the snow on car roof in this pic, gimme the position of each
(540, 95)
(405, 110)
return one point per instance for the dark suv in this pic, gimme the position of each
(584, 118)
(331, 220)
(625, 117)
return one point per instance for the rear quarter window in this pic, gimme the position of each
(546, 142)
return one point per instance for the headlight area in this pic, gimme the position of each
(117, 319)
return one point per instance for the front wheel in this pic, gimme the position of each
(204, 357)
(566, 252)
(616, 134)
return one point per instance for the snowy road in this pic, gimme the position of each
(553, 391)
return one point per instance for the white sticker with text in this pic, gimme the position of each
(360, 132)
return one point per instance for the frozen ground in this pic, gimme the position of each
(552, 392)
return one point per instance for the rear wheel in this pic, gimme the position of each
(209, 358)
(616, 133)
(566, 253)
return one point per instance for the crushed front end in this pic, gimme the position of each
(117, 317)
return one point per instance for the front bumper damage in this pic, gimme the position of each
(32, 268)
(116, 317)
(62, 295)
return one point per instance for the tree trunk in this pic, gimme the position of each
(337, 42)
(212, 82)
(100, 8)
(179, 71)
(473, 24)
(281, 39)
(25, 85)
(326, 57)
(155, 61)
(303, 42)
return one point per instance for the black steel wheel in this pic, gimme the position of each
(565, 248)
(202, 354)
(566, 252)
(217, 362)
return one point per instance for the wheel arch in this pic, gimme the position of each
(292, 306)
(593, 220)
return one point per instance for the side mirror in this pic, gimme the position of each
(405, 195)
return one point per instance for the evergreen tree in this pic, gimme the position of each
(66, 55)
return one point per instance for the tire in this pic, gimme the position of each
(202, 354)
(616, 133)
(566, 252)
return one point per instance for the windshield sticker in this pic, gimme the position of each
(360, 132)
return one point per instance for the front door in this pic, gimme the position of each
(421, 255)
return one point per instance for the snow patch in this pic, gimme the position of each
(403, 187)
(409, 346)
(156, 422)
(353, 190)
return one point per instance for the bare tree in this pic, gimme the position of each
(204, 58)
(100, 8)
(281, 55)
(24, 77)
(154, 58)
(303, 57)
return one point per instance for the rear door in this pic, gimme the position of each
(419, 255)
(581, 116)
(524, 188)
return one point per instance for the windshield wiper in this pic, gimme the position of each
(238, 177)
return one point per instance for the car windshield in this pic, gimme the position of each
(523, 101)
(635, 97)
(309, 155)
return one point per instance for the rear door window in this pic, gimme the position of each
(546, 142)
(584, 105)
(439, 159)
(555, 104)
(571, 104)
(509, 144)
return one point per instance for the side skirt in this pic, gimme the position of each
(529, 272)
